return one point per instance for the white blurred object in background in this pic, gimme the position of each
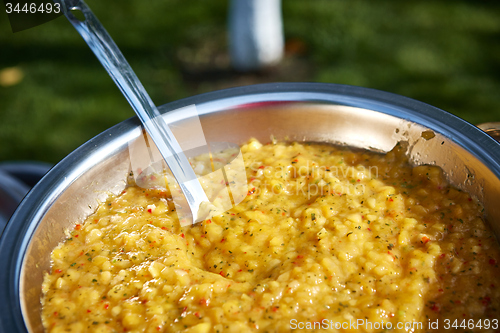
(255, 33)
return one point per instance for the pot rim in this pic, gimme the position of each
(17, 235)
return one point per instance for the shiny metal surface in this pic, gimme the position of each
(305, 112)
(112, 59)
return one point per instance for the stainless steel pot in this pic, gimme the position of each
(339, 114)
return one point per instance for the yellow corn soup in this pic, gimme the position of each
(326, 238)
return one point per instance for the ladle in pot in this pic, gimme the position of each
(120, 71)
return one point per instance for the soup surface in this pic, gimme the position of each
(327, 239)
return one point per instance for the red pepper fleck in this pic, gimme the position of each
(89, 311)
(58, 271)
(391, 199)
(359, 180)
(78, 227)
(222, 240)
(442, 255)
(164, 228)
(240, 270)
(470, 199)
(486, 300)
(203, 301)
(77, 236)
(149, 210)
(221, 274)
(425, 239)
(123, 192)
(261, 167)
(435, 308)
(492, 261)
(106, 306)
(197, 314)
(440, 290)
(458, 302)
(55, 314)
(158, 328)
(369, 229)
(275, 309)
(182, 235)
(300, 256)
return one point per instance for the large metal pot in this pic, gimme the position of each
(296, 111)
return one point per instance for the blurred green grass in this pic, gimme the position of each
(445, 53)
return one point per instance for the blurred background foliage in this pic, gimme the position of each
(54, 95)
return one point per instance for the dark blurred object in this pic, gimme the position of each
(16, 179)
(12, 191)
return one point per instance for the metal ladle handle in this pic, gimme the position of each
(120, 71)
